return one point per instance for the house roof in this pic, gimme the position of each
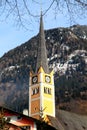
(25, 119)
(9, 125)
(71, 121)
(55, 123)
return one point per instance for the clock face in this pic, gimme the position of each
(34, 79)
(47, 79)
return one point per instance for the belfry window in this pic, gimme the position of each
(47, 90)
(35, 91)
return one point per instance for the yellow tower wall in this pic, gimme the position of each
(43, 99)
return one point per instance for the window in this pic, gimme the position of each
(35, 91)
(27, 127)
(47, 90)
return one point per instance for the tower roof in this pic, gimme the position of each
(42, 52)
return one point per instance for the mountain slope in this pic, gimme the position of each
(67, 54)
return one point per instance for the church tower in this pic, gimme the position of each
(41, 82)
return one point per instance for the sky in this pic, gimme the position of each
(12, 35)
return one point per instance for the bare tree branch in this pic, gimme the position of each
(11, 10)
(20, 11)
(49, 7)
(29, 10)
(82, 3)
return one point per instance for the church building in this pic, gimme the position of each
(41, 82)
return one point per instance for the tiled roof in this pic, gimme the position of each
(55, 123)
(72, 121)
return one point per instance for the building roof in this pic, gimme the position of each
(55, 123)
(23, 120)
(42, 52)
(13, 127)
(71, 121)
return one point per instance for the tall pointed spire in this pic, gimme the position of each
(42, 52)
